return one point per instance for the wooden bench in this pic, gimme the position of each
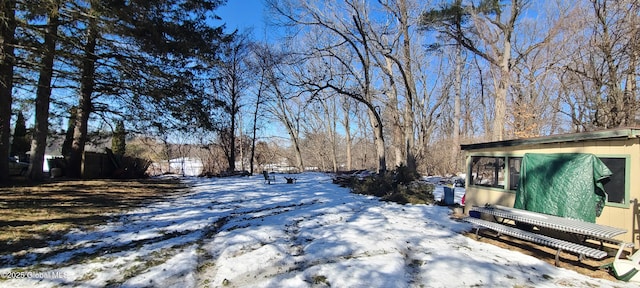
(584, 229)
(268, 178)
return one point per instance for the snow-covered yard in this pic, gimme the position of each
(239, 232)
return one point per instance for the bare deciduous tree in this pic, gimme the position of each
(232, 79)
(348, 27)
(600, 77)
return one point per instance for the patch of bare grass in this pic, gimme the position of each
(33, 214)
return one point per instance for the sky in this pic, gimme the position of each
(241, 232)
(242, 14)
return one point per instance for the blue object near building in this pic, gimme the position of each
(448, 195)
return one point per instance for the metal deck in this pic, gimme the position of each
(540, 239)
(553, 222)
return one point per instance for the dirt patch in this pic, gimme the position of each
(33, 214)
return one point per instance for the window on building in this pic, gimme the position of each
(615, 186)
(514, 172)
(487, 171)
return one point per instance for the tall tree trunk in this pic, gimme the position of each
(631, 85)
(347, 133)
(455, 149)
(296, 147)
(485, 110)
(504, 61)
(254, 128)
(283, 115)
(232, 136)
(233, 114)
(7, 39)
(332, 126)
(68, 137)
(43, 96)
(378, 138)
(334, 145)
(630, 103)
(501, 93)
(241, 143)
(410, 83)
(85, 106)
(398, 133)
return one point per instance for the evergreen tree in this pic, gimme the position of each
(43, 93)
(20, 144)
(68, 137)
(118, 144)
(155, 71)
(7, 60)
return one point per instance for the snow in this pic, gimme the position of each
(240, 232)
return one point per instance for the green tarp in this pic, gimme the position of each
(567, 185)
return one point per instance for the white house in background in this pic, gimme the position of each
(45, 163)
(186, 166)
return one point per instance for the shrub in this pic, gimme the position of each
(378, 185)
(404, 175)
(395, 187)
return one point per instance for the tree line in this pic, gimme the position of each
(434, 74)
(351, 84)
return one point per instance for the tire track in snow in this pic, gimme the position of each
(246, 218)
(293, 261)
